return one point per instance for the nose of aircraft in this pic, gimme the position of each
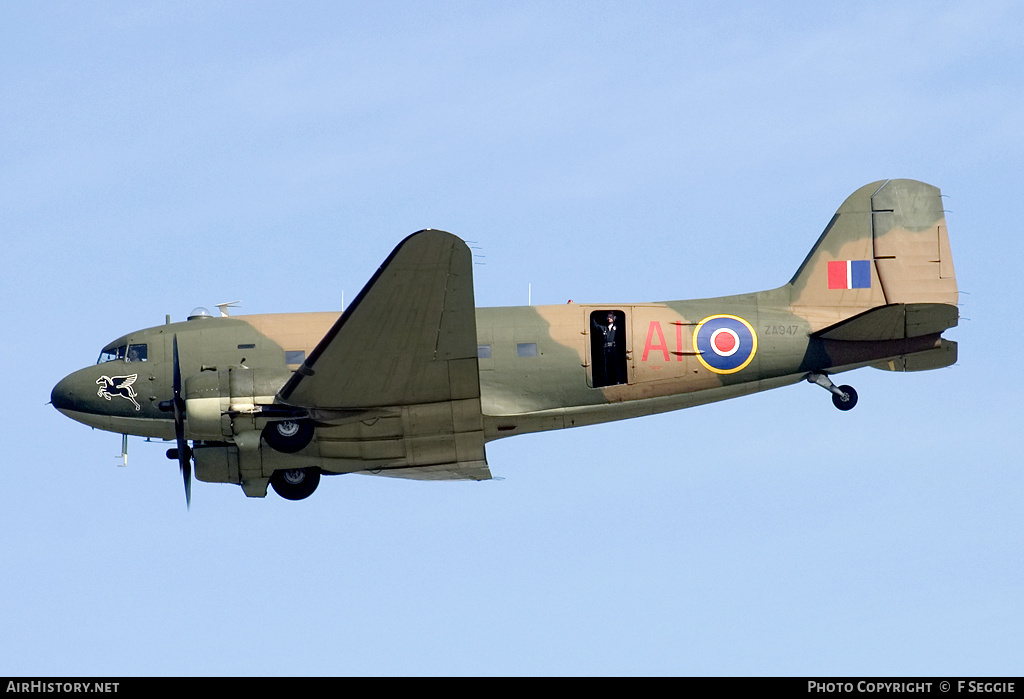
(75, 397)
(78, 397)
(108, 398)
(77, 392)
(63, 394)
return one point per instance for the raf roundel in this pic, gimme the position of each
(725, 343)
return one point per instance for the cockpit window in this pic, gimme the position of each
(109, 355)
(129, 353)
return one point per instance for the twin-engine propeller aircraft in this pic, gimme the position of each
(412, 380)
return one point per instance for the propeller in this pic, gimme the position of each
(177, 404)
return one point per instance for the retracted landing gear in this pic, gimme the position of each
(843, 397)
(288, 436)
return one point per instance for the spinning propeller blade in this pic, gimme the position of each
(184, 452)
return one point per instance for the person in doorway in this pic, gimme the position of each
(609, 337)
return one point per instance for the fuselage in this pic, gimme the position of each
(540, 367)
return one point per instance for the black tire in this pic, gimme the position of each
(295, 483)
(288, 436)
(849, 402)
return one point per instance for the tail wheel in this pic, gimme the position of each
(295, 483)
(288, 436)
(849, 402)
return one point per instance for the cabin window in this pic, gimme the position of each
(526, 349)
(294, 356)
(608, 347)
(483, 351)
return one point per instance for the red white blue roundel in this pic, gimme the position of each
(725, 344)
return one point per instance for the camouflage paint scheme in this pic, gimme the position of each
(412, 380)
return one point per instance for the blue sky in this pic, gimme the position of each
(162, 156)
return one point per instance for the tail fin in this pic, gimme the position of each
(887, 244)
(880, 279)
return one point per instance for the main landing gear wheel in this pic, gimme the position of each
(848, 402)
(295, 483)
(288, 436)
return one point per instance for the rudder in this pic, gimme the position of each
(911, 244)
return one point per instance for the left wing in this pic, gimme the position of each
(407, 345)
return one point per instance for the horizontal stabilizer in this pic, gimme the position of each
(938, 358)
(896, 321)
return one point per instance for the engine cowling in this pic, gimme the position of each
(220, 404)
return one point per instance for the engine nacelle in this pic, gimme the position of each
(220, 404)
(216, 463)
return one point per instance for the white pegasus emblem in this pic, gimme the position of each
(118, 386)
